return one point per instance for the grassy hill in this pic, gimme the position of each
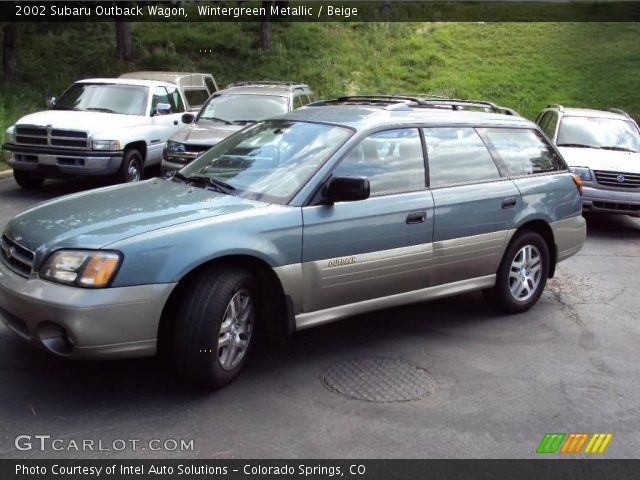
(521, 65)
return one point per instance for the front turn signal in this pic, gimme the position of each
(578, 182)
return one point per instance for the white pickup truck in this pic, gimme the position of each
(103, 126)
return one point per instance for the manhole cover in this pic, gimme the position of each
(378, 379)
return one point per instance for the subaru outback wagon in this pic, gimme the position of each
(331, 210)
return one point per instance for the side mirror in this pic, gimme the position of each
(188, 118)
(51, 101)
(348, 189)
(161, 109)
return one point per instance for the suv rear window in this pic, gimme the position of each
(457, 155)
(522, 151)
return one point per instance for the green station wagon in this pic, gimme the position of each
(331, 210)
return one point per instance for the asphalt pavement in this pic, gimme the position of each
(499, 383)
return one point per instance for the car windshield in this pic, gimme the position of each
(269, 161)
(104, 97)
(593, 132)
(242, 108)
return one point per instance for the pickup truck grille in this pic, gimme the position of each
(618, 179)
(16, 257)
(52, 137)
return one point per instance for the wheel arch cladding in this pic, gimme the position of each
(543, 229)
(271, 301)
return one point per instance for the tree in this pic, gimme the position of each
(265, 26)
(124, 49)
(10, 51)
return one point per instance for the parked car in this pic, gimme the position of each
(98, 127)
(603, 149)
(197, 87)
(228, 111)
(316, 215)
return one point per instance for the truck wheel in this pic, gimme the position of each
(131, 169)
(522, 274)
(215, 326)
(27, 180)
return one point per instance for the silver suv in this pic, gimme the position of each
(603, 149)
(228, 111)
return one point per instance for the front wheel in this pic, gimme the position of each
(522, 274)
(131, 169)
(27, 180)
(215, 326)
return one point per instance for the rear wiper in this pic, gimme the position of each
(216, 184)
(620, 149)
(578, 145)
(97, 109)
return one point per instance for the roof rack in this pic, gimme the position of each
(406, 101)
(248, 83)
(555, 105)
(620, 111)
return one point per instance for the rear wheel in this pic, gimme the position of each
(215, 327)
(27, 179)
(131, 169)
(522, 274)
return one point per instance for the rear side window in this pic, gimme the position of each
(175, 99)
(522, 151)
(392, 161)
(210, 85)
(196, 97)
(457, 155)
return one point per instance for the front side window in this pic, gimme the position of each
(593, 132)
(392, 161)
(243, 108)
(104, 97)
(457, 155)
(160, 95)
(522, 151)
(269, 161)
(550, 127)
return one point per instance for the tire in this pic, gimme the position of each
(132, 167)
(215, 326)
(27, 180)
(517, 288)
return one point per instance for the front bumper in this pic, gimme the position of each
(83, 323)
(53, 162)
(600, 200)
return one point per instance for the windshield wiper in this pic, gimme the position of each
(177, 174)
(98, 109)
(216, 119)
(620, 149)
(214, 183)
(578, 145)
(245, 122)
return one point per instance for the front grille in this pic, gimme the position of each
(16, 257)
(196, 148)
(56, 137)
(621, 207)
(617, 179)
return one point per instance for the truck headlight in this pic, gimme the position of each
(175, 147)
(10, 136)
(583, 173)
(106, 145)
(82, 268)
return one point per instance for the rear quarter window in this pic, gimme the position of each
(522, 151)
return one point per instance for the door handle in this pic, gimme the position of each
(175, 122)
(416, 217)
(509, 202)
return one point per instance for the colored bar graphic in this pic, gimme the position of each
(550, 442)
(573, 442)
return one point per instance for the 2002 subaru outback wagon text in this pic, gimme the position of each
(328, 211)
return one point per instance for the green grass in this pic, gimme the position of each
(521, 65)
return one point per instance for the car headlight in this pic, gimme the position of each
(583, 173)
(10, 136)
(106, 145)
(82, 268)
(175, 147)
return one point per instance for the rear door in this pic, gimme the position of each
(475, 207)
(356, 251)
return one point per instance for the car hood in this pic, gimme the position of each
(85, 121)
(597, 159)
(205, 133)
(97, 218)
